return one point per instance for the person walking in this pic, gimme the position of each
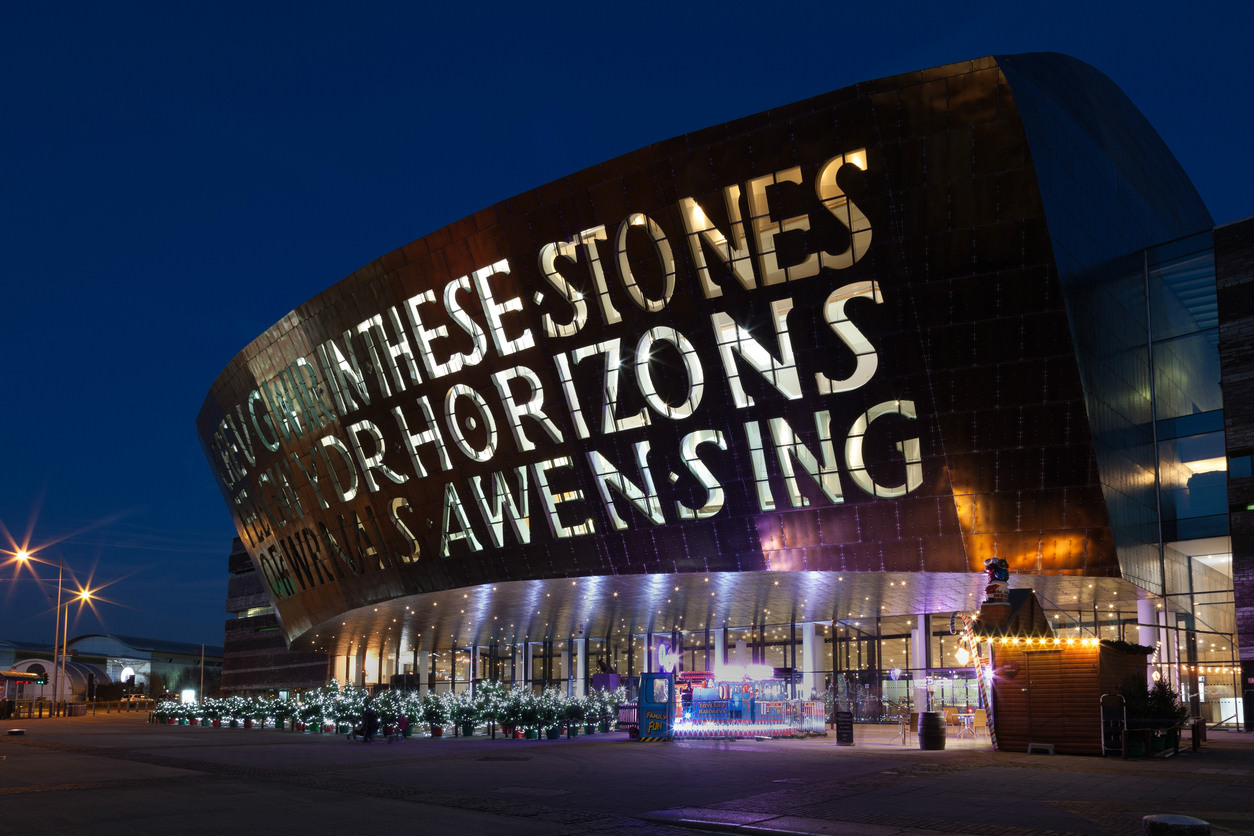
(369, 721)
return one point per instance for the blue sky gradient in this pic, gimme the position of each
(177, 177)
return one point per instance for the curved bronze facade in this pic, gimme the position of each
(829, 338)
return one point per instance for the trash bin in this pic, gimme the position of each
(931, 730)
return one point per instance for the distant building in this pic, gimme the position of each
(151, 666)
(104, 667)
(255, 654)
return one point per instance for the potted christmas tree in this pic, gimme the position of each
(463, 712)
(490, 703)
(528, 713)
(435, 713)
(1157, 714)
(550, 710)
(573, 713)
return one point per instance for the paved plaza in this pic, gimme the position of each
(117, 774)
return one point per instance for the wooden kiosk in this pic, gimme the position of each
(1046, 691)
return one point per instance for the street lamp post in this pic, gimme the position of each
(61, 630)
(83, 597)
(56, 679)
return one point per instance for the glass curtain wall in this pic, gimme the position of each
(1147, 341)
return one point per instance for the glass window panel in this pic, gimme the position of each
(1182, 293)
(1193, 476)
(1186, 375)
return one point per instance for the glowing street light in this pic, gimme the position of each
(24, 558)
(61, 630)
(83, 597)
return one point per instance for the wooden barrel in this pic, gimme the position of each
(931, 730)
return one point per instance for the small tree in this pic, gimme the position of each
(310, 711)
(527, 705)
(1159, 704)
(490, 700)
(434, 711)
(212, 708)
(575, 711)
(411, 707)
(236, 708)
(462, 709)
(550, 707)
(607, 703)
(281, 710)
(511, 710)
(167, 709)
(1165, 703)
(348, 704)
(388, 705)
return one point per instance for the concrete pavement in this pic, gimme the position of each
(117, 774)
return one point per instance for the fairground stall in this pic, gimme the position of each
(732, 702)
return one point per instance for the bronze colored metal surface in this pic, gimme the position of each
(824, 347)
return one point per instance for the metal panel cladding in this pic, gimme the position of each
(827, 337)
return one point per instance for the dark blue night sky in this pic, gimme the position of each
(177, 177)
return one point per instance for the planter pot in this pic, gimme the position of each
(468, 729)
(407, 731)
(518, 734)
(217, 724)
(1160, 742)
(508, 731)
(248, 724)
(234, 723)
(572, 731)
(553, 734)
(204, 721)
(605, 726)
(531, 734)
(300, 727)
(437, 731)
(589, 728)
